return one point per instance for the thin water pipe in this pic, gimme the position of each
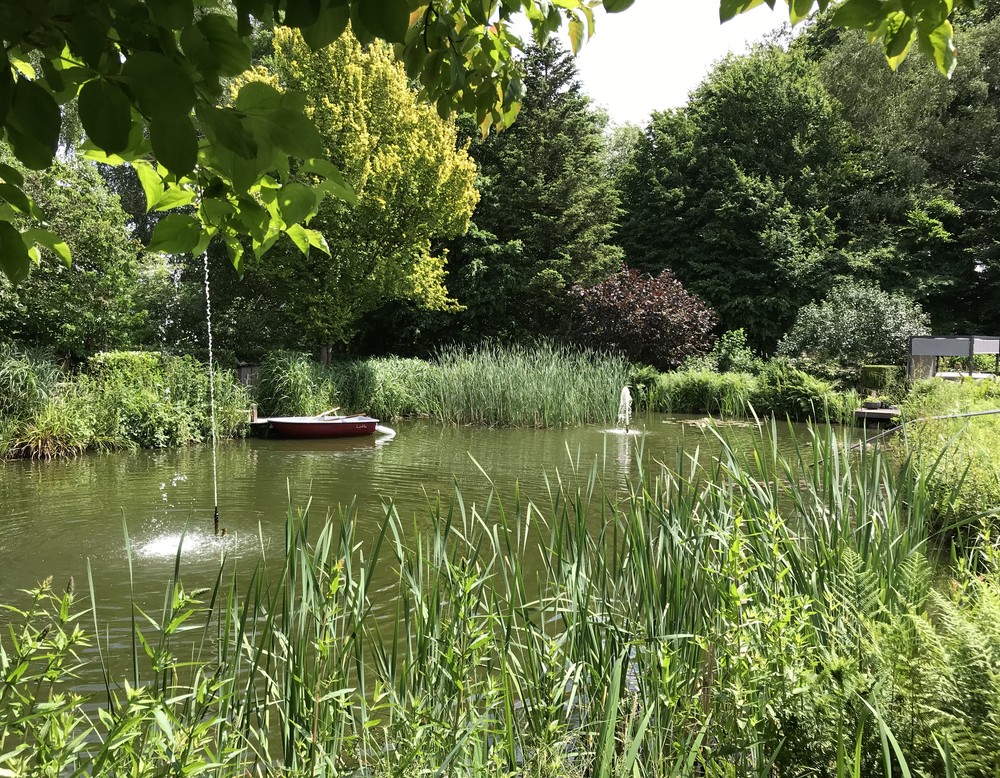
(942, 417)
(211, 393)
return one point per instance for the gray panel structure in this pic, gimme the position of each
(926, 348)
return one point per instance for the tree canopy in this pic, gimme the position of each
(413, 188)
(147, 80)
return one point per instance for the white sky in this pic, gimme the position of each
(649, 57)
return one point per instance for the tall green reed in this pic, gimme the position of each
(758, 614)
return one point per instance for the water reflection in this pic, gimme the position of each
(58, 516)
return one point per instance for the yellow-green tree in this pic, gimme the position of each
(414, 187)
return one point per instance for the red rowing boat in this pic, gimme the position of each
(323, 426)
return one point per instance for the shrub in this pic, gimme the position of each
(857, 323)
(784, 391)
(730, 354)
(26, 382)
(653, 321)
(155, 400)
(883, 380)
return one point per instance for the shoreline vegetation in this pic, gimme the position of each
(764, 616)
(126, 400)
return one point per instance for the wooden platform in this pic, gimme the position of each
(877, 416)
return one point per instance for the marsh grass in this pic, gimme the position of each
(758, 615)
(540, 385)
(529, 386)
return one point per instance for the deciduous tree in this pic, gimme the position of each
(653, 321)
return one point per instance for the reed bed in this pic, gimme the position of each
(504, 386)
(529, 386)
(755, 616)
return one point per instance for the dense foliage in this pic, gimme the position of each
(413, 187)
(123, 399)
(74, 310)
(147, 83)
(544, 221)
(735, 192)
(651, 320)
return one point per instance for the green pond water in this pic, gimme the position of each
(58, 515)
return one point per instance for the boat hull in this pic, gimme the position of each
(305, 427)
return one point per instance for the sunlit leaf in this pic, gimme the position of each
(300, 237)
(175, 234)
(174, 197)
(151, 182)
(51, 241)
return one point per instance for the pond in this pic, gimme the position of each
(60, 514)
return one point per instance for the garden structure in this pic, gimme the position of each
(926, 351)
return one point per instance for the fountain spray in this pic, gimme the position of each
(211, 393)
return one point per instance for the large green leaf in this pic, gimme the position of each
(225, 127)
(728, 9)
(214, 44)
(235, 251)
(857, 14)
(10, 175)
(6, 86)
(175, 197)
(175, 234)
(388, 19)
(334, 182)
(175, 14)
(106, 115)
(332, 22)
(300, 237)
(14, 258)
(940, 46)
(88, 37)
(301, 13)
(151, 182)
(51, 241)
(617, 6)
(296, 202)
(14, 196)
(160, 85)
(256, 96)
(33, 124)
(799, 10)
(175, 143)
(293, 132)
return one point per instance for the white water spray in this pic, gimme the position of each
(625, 408)
(211, 393)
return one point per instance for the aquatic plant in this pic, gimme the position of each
(754, 615)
